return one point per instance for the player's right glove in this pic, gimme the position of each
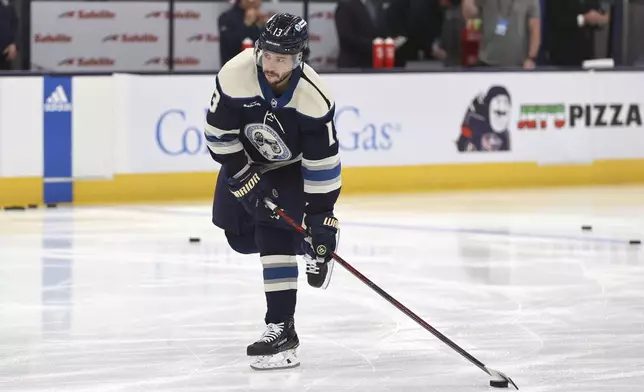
(248, 189)
(323, 229)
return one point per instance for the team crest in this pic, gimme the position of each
(491, 142)
(267, 142)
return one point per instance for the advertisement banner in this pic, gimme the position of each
(446, 118)
(164, 134)
(57, 139)
(417, 119)
(98, 36)
(75, 36)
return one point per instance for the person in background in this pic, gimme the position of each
(242, 21)
(356, 22)
(359, 22)
(571, 28)
(511, 31)
(447, 47)
(8, 34)
(414, 25)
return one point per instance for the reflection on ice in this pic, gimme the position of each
(117, 299)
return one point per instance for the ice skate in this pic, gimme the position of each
(276, 349)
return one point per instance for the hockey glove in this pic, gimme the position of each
(323, 229)
(249, 191)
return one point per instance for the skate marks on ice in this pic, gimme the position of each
(111, 299)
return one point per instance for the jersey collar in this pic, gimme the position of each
(269, 95)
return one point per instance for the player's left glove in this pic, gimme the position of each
(323, 229)
(248, 189)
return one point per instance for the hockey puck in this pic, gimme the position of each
(635, 242)
(195, 239)
(33, 206)
(14, 208)
(499, 383)
(586, 228)
(52, 205)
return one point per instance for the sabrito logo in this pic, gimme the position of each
(558, 116)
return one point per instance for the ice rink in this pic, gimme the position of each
(115, 298)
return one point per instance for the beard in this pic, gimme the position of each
(275, 78)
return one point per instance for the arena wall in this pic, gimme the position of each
(137, 138)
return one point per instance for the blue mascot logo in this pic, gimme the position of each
(486, 123)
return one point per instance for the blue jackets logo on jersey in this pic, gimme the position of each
(267, 142)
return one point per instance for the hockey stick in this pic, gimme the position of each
(498, 378)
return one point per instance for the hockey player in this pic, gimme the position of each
(270, 125)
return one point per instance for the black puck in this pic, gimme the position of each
(33, 206)
(499, 383)
(14, 208)
(52, 205)
(635, 242)
(195, 239)
(586, 227)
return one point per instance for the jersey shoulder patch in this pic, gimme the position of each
(312, 97)
(238, 77)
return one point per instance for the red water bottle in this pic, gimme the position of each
(247, 43)
(470, 43)
(378, 53)
(390, 53)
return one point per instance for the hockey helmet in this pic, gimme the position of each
(284, 34)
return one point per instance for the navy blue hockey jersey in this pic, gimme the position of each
(248, 125)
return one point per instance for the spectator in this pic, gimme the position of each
(414, 24)
(404, 21)
(511, 31)
(8, 34)
(356, 22)
(447, 47)
(571, 26)
(359, 22)
(242, 21)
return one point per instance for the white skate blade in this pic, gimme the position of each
(285, 360)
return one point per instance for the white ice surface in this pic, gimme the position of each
(115, 298)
